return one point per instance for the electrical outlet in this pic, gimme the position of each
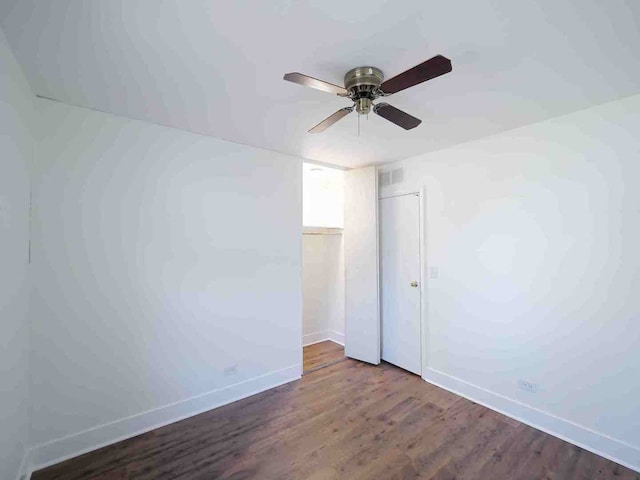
(527, 386)
(231, 370)
(433, 272)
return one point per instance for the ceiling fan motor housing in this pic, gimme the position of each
(363, 84)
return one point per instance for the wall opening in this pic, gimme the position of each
(322, 266)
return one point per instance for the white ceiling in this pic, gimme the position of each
(215, 67)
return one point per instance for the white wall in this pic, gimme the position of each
(323, 287)
(536, 235)
(16, 152)
(161, 259)
(337, 316)
(323, 196)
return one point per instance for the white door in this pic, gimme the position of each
(362, 307)
(400, 281)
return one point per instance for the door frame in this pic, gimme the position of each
(421, 193)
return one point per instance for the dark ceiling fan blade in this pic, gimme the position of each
(396, 116)
(327, 122)
(432, 68)
(308, 81)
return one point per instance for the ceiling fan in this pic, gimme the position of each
(363, 85)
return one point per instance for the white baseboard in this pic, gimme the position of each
(55, 451)
(323, 336)
(336, 337)
(598, 443)
(316, 337)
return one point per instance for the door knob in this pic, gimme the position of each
(414, 284)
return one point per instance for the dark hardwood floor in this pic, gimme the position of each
(347, 421)
(321, 354)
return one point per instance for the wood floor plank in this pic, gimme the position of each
(321, 353)
(349, 420)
